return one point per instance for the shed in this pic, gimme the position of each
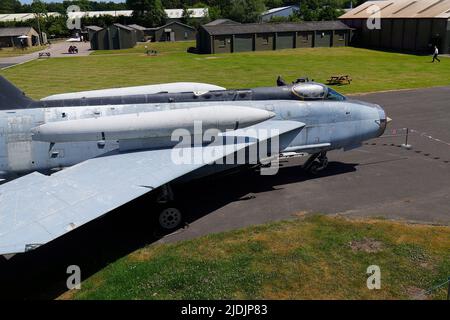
(114, 37)
(404, 25)
(90, 31)
(9, 37)
(141, 32)
(174, 31)
(225, 38)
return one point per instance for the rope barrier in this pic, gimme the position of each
(433, 289)
(401, 132)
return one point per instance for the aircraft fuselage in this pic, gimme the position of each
(330, 123)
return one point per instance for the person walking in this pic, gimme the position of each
(435, 54)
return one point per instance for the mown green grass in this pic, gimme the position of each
(160, 47)
(309, 258)
(371, 70)
(13, 52)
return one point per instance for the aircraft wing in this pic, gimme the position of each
(36, 208)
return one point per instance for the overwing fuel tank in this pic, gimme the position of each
(129, 91)
(145, 125)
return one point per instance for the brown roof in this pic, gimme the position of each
(401, 9)
(16, 31)
(274, 27)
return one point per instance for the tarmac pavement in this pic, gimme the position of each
(57, 49)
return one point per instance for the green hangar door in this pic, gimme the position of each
(285, 41)
(243, 42)
(323, 39)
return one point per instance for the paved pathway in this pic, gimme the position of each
(58, 49)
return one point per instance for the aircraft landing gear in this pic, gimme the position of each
(316, 163)
(169, 216)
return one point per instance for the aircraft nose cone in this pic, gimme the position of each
(383, 120)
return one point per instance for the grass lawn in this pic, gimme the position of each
(371, 70)
(13, 52)
(317, 257)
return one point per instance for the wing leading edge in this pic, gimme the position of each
(36, 208)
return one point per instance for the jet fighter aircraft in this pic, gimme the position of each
(70, 158)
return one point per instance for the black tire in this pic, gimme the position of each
(169, 217)
(314, 169)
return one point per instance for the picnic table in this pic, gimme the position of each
(44, 54)
(152, 52)
(340, 79)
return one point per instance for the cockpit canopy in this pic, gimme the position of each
(316, 91)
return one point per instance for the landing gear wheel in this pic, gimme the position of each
(323, 163)
(316, 163)
(314, 169)
(170, 218)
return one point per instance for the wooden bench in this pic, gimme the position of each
(44, 54)
(152, 52)
(340, 79)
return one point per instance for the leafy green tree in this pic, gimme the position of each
(148, 12)
(316, 10)
(38, 7)
(245, 11)
(275, 3)
(10, 6)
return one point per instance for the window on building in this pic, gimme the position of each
(341, 36)
(222, 42)
(265, 39)
(185, 35)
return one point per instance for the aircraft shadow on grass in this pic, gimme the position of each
(41, 274)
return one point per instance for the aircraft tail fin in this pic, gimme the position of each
(12, 97)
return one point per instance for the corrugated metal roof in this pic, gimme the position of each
(94, 28)
(171, 13)
(273, 10)
(193, 13)
(14, 32)
(137, 27)
(401, 9)
(123, 27)
(274, 27)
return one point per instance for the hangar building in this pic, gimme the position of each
(113, 37)
(406, 25)
(226, 38)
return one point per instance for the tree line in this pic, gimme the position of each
(150, 13)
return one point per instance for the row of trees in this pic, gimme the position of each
(14, 6)
(151, 13)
